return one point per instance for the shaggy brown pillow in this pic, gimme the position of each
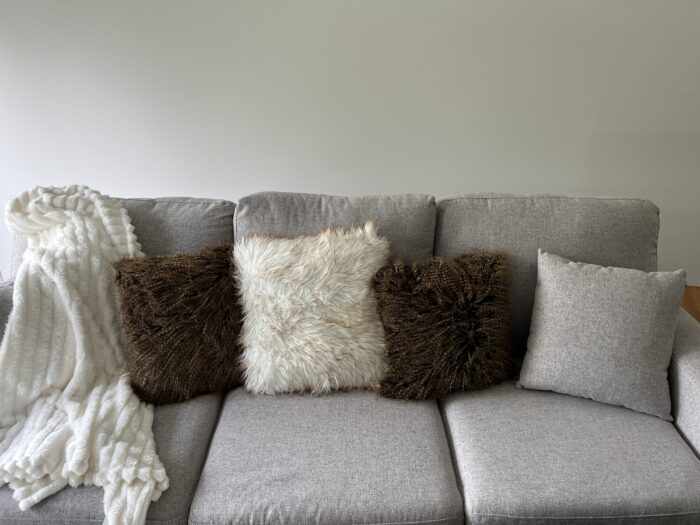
(446, 325)
(181, 318)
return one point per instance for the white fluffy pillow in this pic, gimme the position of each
(310, 320)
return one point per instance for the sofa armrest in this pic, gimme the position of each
(5, 305)
(684, 377)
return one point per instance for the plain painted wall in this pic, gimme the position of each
(221, 99)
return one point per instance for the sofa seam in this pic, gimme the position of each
(222, 400)
(170, 521)
(453, 457)
(186, 514)
(437, 227)
(686, 439)
(543, 196)
(178, 200)
(259, 194)
(439, 520)
(52, 520)
(90, 520)
(623, 516)
(638, 200)
(234, 220)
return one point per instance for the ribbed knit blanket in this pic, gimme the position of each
(67, 414)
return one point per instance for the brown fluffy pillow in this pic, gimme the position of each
(181, 319)
(446, 325)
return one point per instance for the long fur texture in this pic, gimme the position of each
(446, 323)
(310, 315)
(181, 318)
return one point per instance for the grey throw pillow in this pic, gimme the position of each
(603, 333)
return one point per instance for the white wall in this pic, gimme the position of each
(221, 99)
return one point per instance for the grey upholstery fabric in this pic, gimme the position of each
(605, 231)
(169, 225)
(408, 220)
(5, 304)
(684, 376)
(173, 225)
(182, 433)
(342, 458)
(603, 333)
(540, 458)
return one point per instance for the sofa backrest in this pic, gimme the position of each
(169, 225)
(605, 231)
(407, 220)
(180, 225)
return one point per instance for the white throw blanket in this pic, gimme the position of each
(67, 414)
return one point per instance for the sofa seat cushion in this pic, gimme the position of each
(341, 458)
(182, 433)
(529, 457)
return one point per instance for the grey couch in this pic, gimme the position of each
(500, 456)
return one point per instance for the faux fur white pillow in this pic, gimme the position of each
(310, 320)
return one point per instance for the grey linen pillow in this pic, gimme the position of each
(603, 333)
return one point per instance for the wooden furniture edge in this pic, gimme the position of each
(691, 301)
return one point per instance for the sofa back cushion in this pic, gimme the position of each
(169, 225)
(604, 231)
(407, 220)
(180, 225)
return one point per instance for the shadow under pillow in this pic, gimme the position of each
(181, 318)
(446, 325)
